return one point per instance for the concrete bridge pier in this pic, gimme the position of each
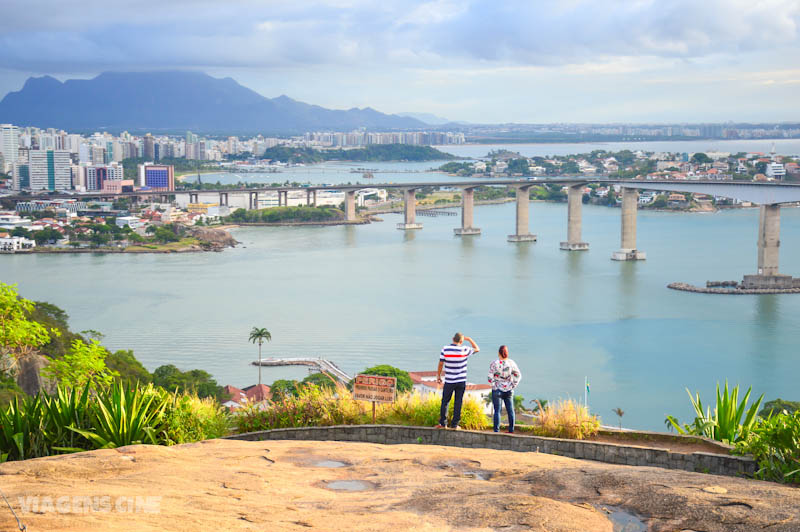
(523, 214)
(223, 198)
(467, 209)
(283, 198)
(350, 205)
(193, 197)
(574, 220)
(309, 195)
(410, 210)
(630, 204)
(252, 200)
(769, 229)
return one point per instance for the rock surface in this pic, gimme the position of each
(217, 238)
(285, 485)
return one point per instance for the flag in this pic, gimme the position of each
(587, 386)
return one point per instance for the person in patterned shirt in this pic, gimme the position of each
(504, 375)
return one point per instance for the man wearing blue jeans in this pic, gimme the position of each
(453, 360)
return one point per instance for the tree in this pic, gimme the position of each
(19, 335)
(83, 364)
(164, 235)
(701, 158)
(46, 235)
(198, 381)
(323, 380)
(404, 383)
(619, 412)
(283, 388)
(259, 335)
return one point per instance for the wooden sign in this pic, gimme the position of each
(375, 388)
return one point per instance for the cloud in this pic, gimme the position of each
(40, 35)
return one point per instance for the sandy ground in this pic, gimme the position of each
(283, 485)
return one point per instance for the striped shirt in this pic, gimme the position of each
(455, 359)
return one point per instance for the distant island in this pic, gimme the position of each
(375, 152)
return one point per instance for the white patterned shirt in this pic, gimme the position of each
(504, 375)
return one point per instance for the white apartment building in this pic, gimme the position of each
(50, 170)
(9, 146)
(775, 170)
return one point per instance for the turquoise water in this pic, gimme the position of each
(371, 294)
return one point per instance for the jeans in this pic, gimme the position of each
(508, 399)
(447, 393)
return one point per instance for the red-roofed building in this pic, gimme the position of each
(258, 393)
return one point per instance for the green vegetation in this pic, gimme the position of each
(777, 405)
(376, 152)
(456, 168)
(774, 442)
(194, 381)
(731, 421)
(286, 215)
(315, 406)
(83, 365)
(75, 419)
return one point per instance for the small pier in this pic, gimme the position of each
(320, 364)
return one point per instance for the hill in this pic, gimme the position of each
(176, 102)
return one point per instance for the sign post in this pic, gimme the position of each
(375, 388)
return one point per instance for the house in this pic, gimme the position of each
(425, 384)
(646, 198)
(676, 200)
(12, 244)
(239, 398)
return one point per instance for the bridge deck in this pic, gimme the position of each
(320, 363)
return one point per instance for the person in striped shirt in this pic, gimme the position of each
(453, 360)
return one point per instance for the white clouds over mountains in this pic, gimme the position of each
(400, 42)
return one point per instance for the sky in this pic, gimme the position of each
(528, 61)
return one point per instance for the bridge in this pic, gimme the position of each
(770, 196)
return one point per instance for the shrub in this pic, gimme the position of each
(565, 419)
(314, 406)
(189, 418)
(774, 443)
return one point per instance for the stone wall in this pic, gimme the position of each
(603, 452)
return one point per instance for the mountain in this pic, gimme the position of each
(428, 118)
(176, 101)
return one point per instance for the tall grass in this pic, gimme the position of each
(325, 406)
(565, 418)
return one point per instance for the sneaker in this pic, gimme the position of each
(456, 428)
(439, 426)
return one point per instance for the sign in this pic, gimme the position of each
(375, 388)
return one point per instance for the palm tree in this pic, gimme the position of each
(259, 335)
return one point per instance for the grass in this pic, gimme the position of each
(171, 246)
(564, 418)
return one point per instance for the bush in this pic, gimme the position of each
(776, 406)
(316, 407)
(189, 418)
(565, 419)
(774, 443)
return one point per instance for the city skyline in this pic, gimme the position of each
(479, 62)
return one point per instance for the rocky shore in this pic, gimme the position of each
(737, 290)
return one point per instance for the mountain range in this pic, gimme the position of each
(175, 102)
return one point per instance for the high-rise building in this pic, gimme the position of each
(158, 177)
(9, 146)
(149, 147)
(50, 170)
(21, 176)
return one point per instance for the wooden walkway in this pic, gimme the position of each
(320, 363)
